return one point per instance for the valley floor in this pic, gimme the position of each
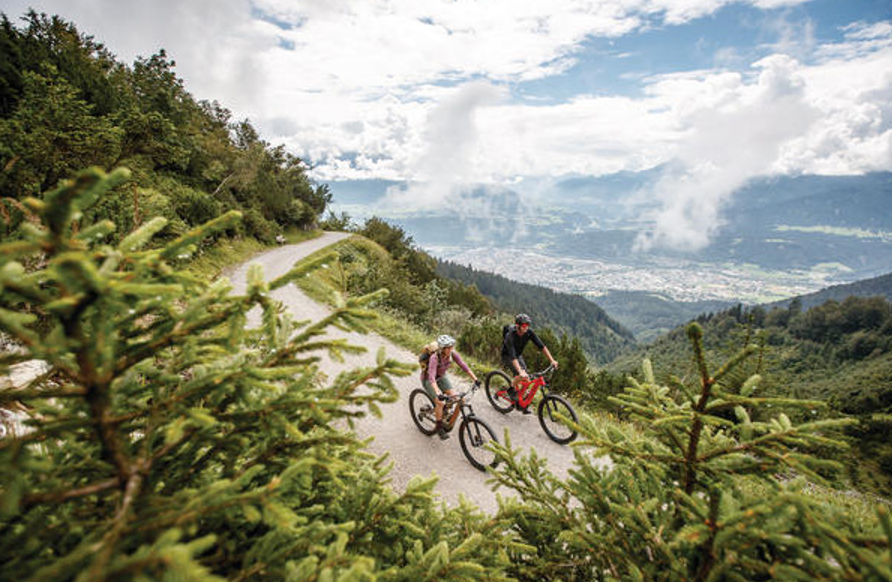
(681, 281)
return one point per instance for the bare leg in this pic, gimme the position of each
(438, 412)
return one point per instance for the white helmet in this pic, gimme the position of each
(445, 341)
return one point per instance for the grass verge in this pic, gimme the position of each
(227, 252)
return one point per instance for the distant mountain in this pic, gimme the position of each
(649, 315)
(789, 223)
(876, 287)
(365, 192)
(601, 337)
(788, 234)
(842, 201)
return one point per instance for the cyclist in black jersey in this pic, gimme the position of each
(518, 336)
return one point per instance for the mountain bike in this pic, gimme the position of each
(473, 432)
(498, 385)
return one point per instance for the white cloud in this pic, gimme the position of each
(449, 162)
(735, 132)
(421, 91)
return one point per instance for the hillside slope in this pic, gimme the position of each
(649, 315)
(874, 287)
(839, 352)
(602, 337)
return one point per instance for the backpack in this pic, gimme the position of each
(506, 329)
(425, 355)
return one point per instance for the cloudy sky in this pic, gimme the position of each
(444, 93)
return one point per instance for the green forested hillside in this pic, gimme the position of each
(837, 352)
(66, 103)
(649, 315)
(601, 337)
(874, 287)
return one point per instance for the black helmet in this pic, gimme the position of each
(522, 318)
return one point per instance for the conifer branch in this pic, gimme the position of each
(707, 553)
(106, 547)
(13, 395)
(65, 495)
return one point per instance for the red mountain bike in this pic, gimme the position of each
(473, 432)
(498, 385)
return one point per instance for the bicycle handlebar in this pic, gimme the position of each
(461, 395)
(544, 372)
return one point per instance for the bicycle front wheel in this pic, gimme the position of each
(474, 434)
(549, 407)
(497, 385)
(421, 407)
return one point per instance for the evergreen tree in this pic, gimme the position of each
(167, 441)
(66, 104)
(688, 494)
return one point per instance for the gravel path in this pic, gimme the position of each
(411, 452)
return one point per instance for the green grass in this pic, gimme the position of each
(859, 509)
(227, 252)
(296, 235)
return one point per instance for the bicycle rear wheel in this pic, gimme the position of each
(556, 430)
(497, 385)
(474, 434)
(421, 407)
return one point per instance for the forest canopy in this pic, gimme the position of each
(67, 103)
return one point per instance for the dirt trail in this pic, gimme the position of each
(411, 452)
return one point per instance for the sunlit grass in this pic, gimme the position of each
(857, 509)
(227, 252)
(296, 235)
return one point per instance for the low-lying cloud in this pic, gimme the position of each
(732, 140)
(448, 165)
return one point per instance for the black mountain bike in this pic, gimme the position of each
(473, 432)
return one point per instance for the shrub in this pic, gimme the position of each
(260, 228)
(196, 207)
(297, 213)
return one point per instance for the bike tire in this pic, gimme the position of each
(421, 407)
(554, 428)
(497, 383)
(474, 434)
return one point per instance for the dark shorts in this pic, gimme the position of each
(509, 367)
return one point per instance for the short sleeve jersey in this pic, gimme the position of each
(513, 344)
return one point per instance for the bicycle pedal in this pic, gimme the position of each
(526, 410)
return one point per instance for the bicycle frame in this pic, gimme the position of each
(462, 408)
(527, 389)
(505, 399)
